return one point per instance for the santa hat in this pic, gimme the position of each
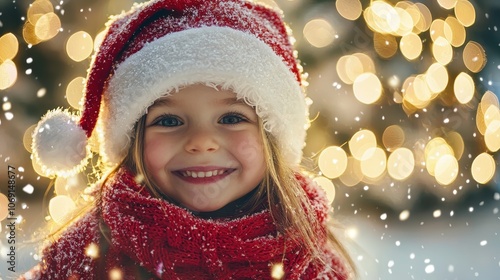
(162, 45)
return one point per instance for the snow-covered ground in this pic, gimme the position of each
(463, 244)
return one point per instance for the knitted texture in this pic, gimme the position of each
(168, 242)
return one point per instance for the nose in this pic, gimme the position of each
(202, 140)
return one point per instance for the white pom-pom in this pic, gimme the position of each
(60, 144)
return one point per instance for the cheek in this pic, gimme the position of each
(155, 152)
(249, 148)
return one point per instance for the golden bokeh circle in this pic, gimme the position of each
(367, 88)
(401, 163)
(393, 137)
(464, 88)
(474, 56)
(9, 47)
(465, 12)
(349, 9)
(385, 45)
(483, 168)
(332, 161)
(411, 46)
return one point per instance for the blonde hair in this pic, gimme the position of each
(287, 201)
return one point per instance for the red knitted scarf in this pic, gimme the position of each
(168, 242)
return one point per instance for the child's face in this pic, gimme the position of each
(203, 148)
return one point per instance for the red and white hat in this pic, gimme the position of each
(163, 45)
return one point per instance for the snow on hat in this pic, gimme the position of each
(162, 45)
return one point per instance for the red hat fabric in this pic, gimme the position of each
(163, 45)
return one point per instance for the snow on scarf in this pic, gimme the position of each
(150, 236)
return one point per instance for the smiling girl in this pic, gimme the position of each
(200, 115)
(200, 141)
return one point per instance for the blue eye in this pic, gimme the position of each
(232, 118)
(168, 121)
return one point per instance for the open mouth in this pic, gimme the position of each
(203, 174)
(203, 177)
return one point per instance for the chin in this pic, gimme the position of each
(205, 208)
(208, 208)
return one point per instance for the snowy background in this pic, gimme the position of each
(415, 228)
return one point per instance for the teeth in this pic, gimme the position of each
(201, 174)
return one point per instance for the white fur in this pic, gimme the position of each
(60, 144)
(213, 55)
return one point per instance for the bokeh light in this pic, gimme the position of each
(464, 88)
(277, 271)
(349, 9)
(328, 186)
(353, 174)
(385, 45)
(350, 67)
(374, 165)
(361, 143)
(319, 33)
(404, 215)
(465, 12)
(74, 92)
(29, 35)
(434, 150)
(8, 74)
(27, 137)
(492, 136)
(98, 39)
(436, 29)
(92, 251)
(39, 8)
(42, 24)
(474, 57)
(115, 274)
(4, 209)
(456, 142)
(47, 26)
(454, 32)
(61, 209)
(446, 169)
(393, 137)
(70, 186)
(401, 163)
(411, 46)
(425, 20)
(79, 46)
(382, 18)
(483, 168)
(436, 78)
(332, 161)
(442, 50)
(9, 47)
(487, 113)
(367, 88)
(447, 4)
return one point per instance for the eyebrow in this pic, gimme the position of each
(165, 101)
(232, 101)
